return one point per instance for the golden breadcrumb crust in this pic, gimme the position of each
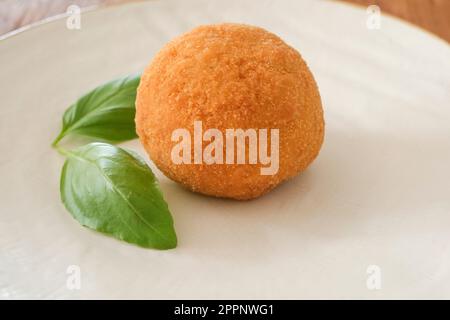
(230, 76)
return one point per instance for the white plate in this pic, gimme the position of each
(378, 194)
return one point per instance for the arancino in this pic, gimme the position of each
(230, 76)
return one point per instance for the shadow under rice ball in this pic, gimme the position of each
(229, 76)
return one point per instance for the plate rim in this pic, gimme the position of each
(104, 6)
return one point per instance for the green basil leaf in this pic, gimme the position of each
(113, 191)
(107, 112)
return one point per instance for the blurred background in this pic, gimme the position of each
(432, 15)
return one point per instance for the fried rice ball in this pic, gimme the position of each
(230, 76)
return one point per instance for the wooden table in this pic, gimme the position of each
(432, 15)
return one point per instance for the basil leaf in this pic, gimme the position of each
(113, 191)
(107, 112)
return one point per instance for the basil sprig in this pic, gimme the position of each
(107, 188)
